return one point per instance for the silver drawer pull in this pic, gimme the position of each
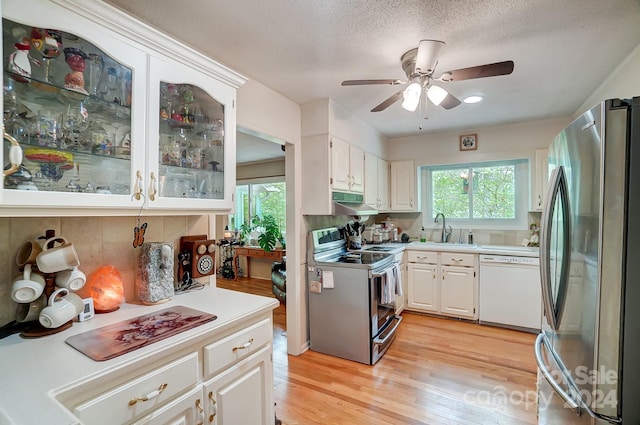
(457, 259)
(243, 346)
(151, 395)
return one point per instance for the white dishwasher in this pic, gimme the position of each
(510, 292)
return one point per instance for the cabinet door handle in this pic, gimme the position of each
(137, 187)
(200, 412)
(151, 395)
(243, 346)
(214, 407)
(153, 187)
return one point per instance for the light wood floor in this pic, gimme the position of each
(437, 371)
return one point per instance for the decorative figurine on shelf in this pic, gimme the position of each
(76, 59)
(49, 44)
(19, 62)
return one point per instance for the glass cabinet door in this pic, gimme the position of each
(191, 144)
(68, 104)
(191, 115)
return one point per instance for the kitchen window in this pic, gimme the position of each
(488, 194)
(259, 199)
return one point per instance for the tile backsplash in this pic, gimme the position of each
(98, 240)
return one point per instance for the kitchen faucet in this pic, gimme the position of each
(445, 233)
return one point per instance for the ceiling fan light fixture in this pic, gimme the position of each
(436, 94)
(411, 96)
(473, 99)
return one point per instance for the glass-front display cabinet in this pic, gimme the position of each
(110, 114)
(189, 117)
(68, 103)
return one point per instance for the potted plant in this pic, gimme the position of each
(269, 231)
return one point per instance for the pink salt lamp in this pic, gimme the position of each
(106, 288)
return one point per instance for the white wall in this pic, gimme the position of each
(260, 169)
(268, 113)
(623, 82)
(509, 141)
(272, 116)
(325, 116)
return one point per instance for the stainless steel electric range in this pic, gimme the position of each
(347, 317)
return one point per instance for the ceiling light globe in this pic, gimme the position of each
(411, 96)
(473, 99)
(436, 94)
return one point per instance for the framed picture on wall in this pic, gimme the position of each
(468, 142)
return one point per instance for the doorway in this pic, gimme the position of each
(260, 190)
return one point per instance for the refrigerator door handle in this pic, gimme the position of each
(578, 406)
(542, 367)
(557, 191)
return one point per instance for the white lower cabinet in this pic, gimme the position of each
(241, 394)
(401, 300)
(225, 379)
(443, 283)
(457, 293)
(423, 289)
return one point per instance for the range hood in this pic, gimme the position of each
(351, 204)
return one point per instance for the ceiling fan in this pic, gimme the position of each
(419, 65)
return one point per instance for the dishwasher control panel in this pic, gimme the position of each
(508, 259)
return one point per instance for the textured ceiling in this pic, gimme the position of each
(303, 49)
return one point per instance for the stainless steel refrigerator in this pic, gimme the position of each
(588, 351)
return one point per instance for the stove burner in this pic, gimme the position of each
(379, 248)
(350, 258)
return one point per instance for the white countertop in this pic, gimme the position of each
(513, 250)
(34, 370)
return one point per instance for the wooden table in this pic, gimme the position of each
(254, 251)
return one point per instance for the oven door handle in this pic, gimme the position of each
(383, 273)
(388, 331)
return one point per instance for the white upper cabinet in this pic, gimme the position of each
(347, 167)
(403, 186)
(329, 165)
(376, 187)
(89, 119)
(540, 180)
(190, 154)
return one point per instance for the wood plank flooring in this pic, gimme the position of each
(437, 372)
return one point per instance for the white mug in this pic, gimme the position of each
(58, 258)
(28, 287)
(28, 253)
(60, 310)
(73, 279)
(30, 312)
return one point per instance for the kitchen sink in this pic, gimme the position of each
(446, 244)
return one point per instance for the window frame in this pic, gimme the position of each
(249, 182)
(522, 184)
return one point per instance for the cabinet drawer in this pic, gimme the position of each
(457, 259)
(236, 346)
(422, 257)
(272, 254)
(126, 402)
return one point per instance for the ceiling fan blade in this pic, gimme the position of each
(390, 101)
(427, 56)
(450, 102)
(367, 82)
(480, 71)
